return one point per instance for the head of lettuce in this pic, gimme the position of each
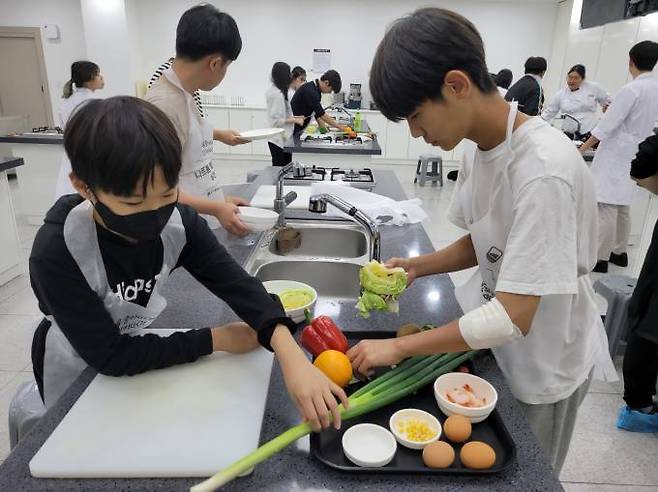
(380, 288)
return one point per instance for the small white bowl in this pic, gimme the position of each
(415, 414)
(369, 445)
(278, 286)
(481, 388)
(258, 219)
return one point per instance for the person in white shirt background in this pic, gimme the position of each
(279, 112)
(580, 100)
(87, 78)
(298, 75)
(628, 121)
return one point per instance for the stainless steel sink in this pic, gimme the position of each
(334, 280)
(327, 242)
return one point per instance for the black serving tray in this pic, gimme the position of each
(326, 446)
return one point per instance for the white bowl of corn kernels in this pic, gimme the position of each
(414, 428)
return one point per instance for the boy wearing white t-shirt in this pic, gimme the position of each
(527, 201)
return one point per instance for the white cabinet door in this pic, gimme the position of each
(378, 124)
(259, 120)
(397, 140)
(218, 118)
(9, 241)
(241, 120)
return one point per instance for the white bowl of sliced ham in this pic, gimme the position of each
(465, 394)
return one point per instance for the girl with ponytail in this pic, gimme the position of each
(85, 80)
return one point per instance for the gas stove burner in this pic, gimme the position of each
(47, 129)
(318, 138)
(352, 173)
(361, 177)
(346, 139)
(315, 173)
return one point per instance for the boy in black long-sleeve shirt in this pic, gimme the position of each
(101, 257)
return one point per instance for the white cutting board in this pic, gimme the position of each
(190, 420)
(264, 197)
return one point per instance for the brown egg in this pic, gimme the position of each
(477, 455)
(408, 329)
(438, 454)
(457, 428)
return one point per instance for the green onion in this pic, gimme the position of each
(410, 376)
(388, 375)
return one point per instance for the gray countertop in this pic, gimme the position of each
(295, 145)
(293, 468)
(41, 138)
(7, 163)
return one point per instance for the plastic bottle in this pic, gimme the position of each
(357, 122)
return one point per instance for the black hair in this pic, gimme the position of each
(281, 77)
(82, 72)
(333, 78)
(297, 72)
(417, 52)
(535, 65)
(645, 163)
(644, 55)
(504, 78)
(579, 69)
(204, 30)
(113, 143)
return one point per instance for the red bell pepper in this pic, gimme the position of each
(322, 334)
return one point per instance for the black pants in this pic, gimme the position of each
(578, 136)
(640, 371)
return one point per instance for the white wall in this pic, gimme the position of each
(554, 78)
(108, 43)
(58, 54)
(288, 30)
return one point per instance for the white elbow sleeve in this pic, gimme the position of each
(488, 326)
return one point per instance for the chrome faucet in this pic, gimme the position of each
(280, 201)
(318, 204)
(564, 116)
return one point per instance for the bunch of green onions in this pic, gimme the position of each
(409, 376)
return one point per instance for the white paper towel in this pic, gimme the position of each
(381, 209)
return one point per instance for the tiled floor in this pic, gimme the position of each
(601, 457)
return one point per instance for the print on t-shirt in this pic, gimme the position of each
(131, 291)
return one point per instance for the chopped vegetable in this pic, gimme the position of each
(409, 376)
(380, 288)
(295, 298)
(416, 430)
(322, 334)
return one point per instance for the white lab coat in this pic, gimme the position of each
(278, 110)
(66, 109)
(581, 104)
(628, 121)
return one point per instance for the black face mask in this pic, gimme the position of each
(142, 226)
